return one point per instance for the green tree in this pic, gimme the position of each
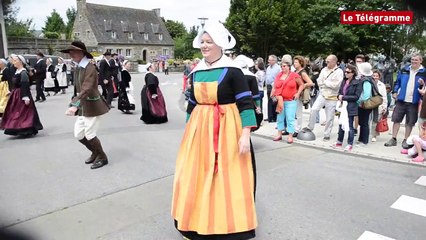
(183, 45)
(312, 27)
(237, 24)
(54, 23)
(175, 28)
(15, 28)
(71, 14)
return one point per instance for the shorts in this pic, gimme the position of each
(408, 110)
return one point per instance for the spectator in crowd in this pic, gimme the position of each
(329, 82)
(407, 98)
(288, 86)
(271, 72)
(260, 77)
(315, 89)
(303, 101)
(350, 91)
(366, 81)
(382, 110)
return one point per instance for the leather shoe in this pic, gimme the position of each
(99, 163)
(91, 159)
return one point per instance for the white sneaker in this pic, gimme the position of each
(348, 148)
(373, 139)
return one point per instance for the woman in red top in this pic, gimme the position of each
(287, 88)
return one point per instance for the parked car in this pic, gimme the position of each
(31, 60)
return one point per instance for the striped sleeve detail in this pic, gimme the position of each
(257, 96)
(247, 118)
(192, 101)
(243, 94)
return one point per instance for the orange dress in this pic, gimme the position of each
(213, 185)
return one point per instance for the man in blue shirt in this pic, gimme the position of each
(271, 72)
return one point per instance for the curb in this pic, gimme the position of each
(352, 153)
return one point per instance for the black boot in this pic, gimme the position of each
(92, 157)
(101, 158)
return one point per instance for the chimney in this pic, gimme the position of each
(157, 12)
(80, 2)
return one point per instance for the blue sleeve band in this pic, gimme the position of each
(243, 94)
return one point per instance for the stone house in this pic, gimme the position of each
(136, 34)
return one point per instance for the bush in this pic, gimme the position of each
(140, 61)
(52, 35)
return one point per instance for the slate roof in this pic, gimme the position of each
(103, 19)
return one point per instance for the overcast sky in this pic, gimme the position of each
(186, 11)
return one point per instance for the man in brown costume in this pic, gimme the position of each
(87, 103)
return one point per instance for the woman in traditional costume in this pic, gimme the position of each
(50, 83)
(61, 75)
(153, 104)
(126, 102)
(4, 86)
(20, 117)
(213, 191)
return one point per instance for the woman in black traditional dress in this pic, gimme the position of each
(126, 102)
(153, 105)
(20, 116)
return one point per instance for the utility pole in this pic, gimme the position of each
(3, 38)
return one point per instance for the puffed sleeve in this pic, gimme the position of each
(243, 98)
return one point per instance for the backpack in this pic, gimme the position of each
(375, 100)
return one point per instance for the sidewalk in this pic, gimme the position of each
(373, 149)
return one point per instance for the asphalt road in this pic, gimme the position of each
(47, 191)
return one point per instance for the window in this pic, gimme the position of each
(145, 36)
(141, 27)
(76, 34)
(128, 52)
(113, 35)
(165, 51)
(119, 51)
(160, 36)
(109, 50)
(130, 35)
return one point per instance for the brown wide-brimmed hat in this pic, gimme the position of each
(79, 46)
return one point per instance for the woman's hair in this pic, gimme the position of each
(300, 59)
(352, 68)
(261, 65)
(286, 63)
(378, 72)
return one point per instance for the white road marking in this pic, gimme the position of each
(410, 204)
(373, 236)
(421, 181)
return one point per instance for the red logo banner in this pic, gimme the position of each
(376, 17)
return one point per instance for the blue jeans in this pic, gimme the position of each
(351, 136)
(288, 115)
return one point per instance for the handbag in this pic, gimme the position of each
(306, 96)
(374, 101)
(382, 125)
